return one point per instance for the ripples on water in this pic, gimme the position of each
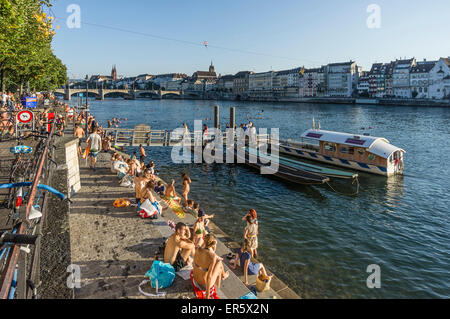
(318, 241)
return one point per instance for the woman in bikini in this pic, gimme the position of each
(199, 230)
(208, 267)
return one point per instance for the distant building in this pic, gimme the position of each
(377, 80)
(419, 79)
(225, 83)
(280, 80)
(438, 88)
(389, 80)
(114, 73)
(311, 82)
(205, 75)
(364, 85)
(342, 79)
(400, 79)
(169, 77)
(261, 84)
(240, 82)
(446, 91)
(294, 76)
(287, 78)
(100, 79)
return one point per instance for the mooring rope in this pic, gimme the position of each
(352, 194)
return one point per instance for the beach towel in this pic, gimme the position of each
(177, 209)
(200, 292)
(249, 295)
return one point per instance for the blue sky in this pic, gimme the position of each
(283, 34)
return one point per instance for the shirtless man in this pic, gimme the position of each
(186, 187)
(179, 248)
(142, 152)
(139, 184)
(170, 192)
(79, 132)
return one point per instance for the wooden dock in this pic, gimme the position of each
(142, 134)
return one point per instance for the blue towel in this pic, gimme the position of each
(250, 295)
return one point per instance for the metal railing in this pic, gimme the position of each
(23, 276)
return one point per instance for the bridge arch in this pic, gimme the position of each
(171, 96)
(90, 93)
(192, 94)
(145, 94)
(114, 94)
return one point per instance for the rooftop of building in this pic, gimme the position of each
(423, 67)
(242, 74)
(342, 63)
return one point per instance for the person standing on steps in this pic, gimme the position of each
(142, 152)
(94, 141)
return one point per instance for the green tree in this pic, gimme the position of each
(26, 56)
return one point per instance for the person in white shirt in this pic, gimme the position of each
(94, 141)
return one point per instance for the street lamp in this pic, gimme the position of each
(87, 90)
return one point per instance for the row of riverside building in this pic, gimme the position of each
(404, 78)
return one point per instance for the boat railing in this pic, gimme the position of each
(302, 144)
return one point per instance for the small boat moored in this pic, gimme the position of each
(361, 152)
(285, 172)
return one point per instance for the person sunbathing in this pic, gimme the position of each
(147, 192)
(171, 193)
(179, 248)
(106, 144)
(199, 229)
(249, 267)
(139, 184)
(111, 162)
(208, 267)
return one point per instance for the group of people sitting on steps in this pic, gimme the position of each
(193, 246)
(197, 248)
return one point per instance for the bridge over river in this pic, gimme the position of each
(101, 93)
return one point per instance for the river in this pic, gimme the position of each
(318, 241)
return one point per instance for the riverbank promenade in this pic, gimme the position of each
(114, 247)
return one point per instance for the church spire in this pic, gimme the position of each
(114, 73)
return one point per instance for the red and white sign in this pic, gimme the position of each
(51, 118)
(25, 116)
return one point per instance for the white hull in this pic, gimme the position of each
(310, 155)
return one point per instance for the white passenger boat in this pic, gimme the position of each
(361, 152)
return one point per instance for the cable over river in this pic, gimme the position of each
(316, 240)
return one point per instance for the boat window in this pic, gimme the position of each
(361, 151)
(371, 157)
(343, 150)
(351, 150)
(329, 147)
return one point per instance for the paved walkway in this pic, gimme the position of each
(114, 247)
